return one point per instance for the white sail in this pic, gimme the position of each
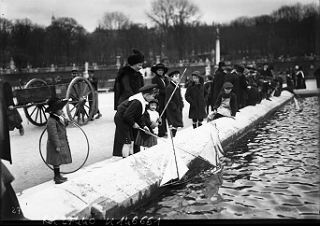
(213, 155)
(175, 168)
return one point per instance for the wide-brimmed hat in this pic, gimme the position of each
(150, 88)
(197, 73)
(159, 66)
(55, 104)
(227, 85)
(172, 73)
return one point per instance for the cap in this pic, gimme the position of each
(150, 88)
(55, 104)
(227, 85)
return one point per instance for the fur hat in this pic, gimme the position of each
(55, 104)
(136, 58)
(159, 66)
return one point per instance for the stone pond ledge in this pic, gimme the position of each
(114, 187)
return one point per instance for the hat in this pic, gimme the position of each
(173, 73)
(154, 101)
(227, 85)
(159, 66)
(151, 88)
(197, 73)
(239, 68)
(91, 71)
(221, 64)
(136, 58)
(55, 104)
(74, 70)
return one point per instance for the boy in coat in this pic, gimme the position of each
(175, 106)
(129, 119)
(195, 96)
(58, 150)
(226, 105)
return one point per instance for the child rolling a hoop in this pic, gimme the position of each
(58, 150)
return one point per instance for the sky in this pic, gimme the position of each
(88, 13)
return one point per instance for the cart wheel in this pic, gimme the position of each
(82, 101)
(35, 113)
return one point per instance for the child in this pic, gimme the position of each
(151, 118)
(175, 106)
(58, 150)
(195, 96)
(226, 104)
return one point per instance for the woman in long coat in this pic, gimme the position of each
(128, 120)
(129, 79)
(175, 106)
(195, 96)
(58, 150)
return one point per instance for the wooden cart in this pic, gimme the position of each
(34, 96)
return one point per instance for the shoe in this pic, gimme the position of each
(58, 180)
(99, 115)
(63, 178)
(21, 131)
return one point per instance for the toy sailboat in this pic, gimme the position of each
(213, 155)
(176, 168)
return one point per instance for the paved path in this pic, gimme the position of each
(28, 167)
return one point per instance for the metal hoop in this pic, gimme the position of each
(88, 149)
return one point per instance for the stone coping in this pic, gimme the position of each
(116, 186)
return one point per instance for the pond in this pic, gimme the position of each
(270, 173)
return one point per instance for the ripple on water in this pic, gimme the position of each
(272, 172)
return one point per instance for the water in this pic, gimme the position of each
(271, 173)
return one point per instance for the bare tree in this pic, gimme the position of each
(114, 21)
(173, 16)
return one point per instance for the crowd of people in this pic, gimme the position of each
(146, 112)
(221, 94)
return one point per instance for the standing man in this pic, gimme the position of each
(317, 75)
(94, 82)
(10, 207)
(12, 112)
(160, 70)
(218, 81)
(129, 79)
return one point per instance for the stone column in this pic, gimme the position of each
(118, 64)
(217, 48)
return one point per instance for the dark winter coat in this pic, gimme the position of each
(127, 114)
(57, 137)
(218, 81)
(233, 102)
(175, 106)
(301, 84)
(127, 83)
(5, 150)
(195, 94)
(243, 94)
(161, 85)
(234, 79)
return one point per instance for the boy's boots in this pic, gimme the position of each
(194, 124)
(58, 179)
